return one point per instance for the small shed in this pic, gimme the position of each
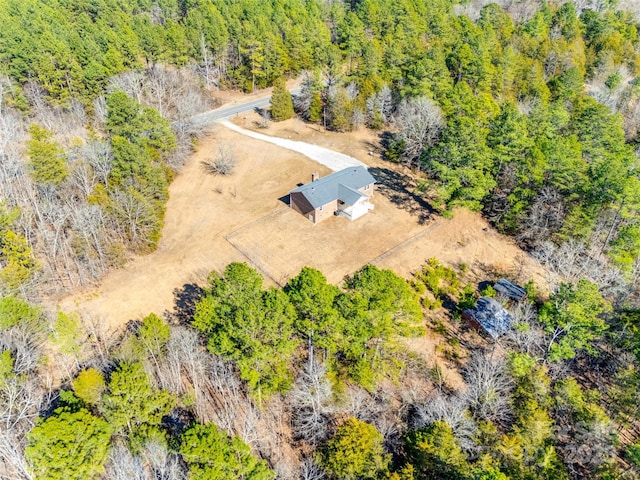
(490, 316)
(510, 290)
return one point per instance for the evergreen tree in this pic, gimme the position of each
(212, 453)
(434, 453)
(68, 446)
(132, 406)
(355, 451)
(251, 326)
(572, 317)
(89, 386)
(47, 163)
(281, 102)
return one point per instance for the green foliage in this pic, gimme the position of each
(68, 446)
(315, 108)
(377, 306)
(572, 318)
(89, 386)
(313, 298)
(73, 49)
(355, 451)
(47, 163)
(581, 405)
(17, 256)
(489, 291)
(434, 453)
(6, 368)
(467, 298)
(154, 334)
(140, 125)
(14, 311)
(211, 453)
(340, 111)
(251, 326)
(633, 454)
(382, 293)
(625, 393)
(441, 280)
(281, 102)
(132, 406)
(489, 474)
(138, 183)
(20, 262)
(67, 333)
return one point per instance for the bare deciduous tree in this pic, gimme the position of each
(302, 101)
(134, 214)
(130, 82)
(419, 122)
(311, 405)
(526, 336)
(162, 463)
(487, 388)
(309, 470)
(453, 410)
(573, 260)
(381, 104)
(122, 465)
(13, 464)
(98, 154)
(545, 218)
(265, 118)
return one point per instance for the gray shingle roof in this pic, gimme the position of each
(491, 316)
(349, 195)
(342, 185)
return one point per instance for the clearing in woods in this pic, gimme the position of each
(212, 221)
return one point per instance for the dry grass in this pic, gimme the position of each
(212, 221)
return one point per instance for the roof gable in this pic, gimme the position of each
(343, 185)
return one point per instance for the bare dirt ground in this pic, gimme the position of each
(212, 221)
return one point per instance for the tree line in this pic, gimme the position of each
(315, 381)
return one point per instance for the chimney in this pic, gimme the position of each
(315, 176)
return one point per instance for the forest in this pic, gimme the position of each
(526, 111)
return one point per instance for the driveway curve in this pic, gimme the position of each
(334, 160)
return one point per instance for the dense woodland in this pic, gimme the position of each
(528, 111)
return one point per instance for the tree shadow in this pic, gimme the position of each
(177, 421)
(397, 187)
(483, 284)
(186, 299)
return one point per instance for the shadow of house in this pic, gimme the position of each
(490, 317)
(397, 187)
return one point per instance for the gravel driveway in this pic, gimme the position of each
(334, 160)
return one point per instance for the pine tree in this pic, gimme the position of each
(355, 451)
(281, 102)
(69, 446)
(47, 163)
(211, 453)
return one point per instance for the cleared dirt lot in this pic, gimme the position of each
(212, 221)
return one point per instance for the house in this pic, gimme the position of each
(346, 192)
(510, 290)
(490, 316)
